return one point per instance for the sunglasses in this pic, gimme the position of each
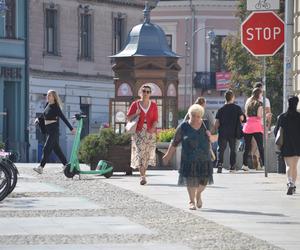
(146, 91)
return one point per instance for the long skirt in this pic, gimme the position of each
(143, 145)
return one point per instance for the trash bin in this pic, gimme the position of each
(281, 168)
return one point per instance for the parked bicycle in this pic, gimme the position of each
(8, 177)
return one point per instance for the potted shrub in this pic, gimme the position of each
(109, 146)
(164, 138)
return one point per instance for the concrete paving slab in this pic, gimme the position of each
(149, 246)
(47, 203)
(70, 226)
(26, 176)
(247, 202)
(36, 187)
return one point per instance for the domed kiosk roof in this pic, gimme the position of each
(146, 39)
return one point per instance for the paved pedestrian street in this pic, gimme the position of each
(240, 211)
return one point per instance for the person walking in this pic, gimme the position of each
(51, 115)
(254, 149)
(228, 124)
(143, 143)
(208, 116)
(290, 150)
(253, 127)
(195, 170)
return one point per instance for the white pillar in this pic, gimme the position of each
(288, 52)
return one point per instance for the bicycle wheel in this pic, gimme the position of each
(4, 182)
(11, 167)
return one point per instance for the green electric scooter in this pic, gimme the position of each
(73, 167)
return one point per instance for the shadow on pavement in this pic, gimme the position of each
(241, 212)
(163, 185)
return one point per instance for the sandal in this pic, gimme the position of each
(192, 206)
(143, 181)
(199, 203)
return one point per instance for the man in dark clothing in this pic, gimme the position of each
(228, 123)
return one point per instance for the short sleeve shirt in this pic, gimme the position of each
(229, 119)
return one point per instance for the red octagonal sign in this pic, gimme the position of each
(262, 33)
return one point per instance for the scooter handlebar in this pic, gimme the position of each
(79, 116)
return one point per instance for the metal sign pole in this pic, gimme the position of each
(264, 118)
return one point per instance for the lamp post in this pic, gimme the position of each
(211, 37)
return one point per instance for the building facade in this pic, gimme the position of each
(187, 25)
(70, 45)
(296, 50)
(13, 78)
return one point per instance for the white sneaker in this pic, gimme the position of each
(245, 168)
(39, 169)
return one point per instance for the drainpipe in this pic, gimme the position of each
(192, 7)
(26, 24)
(288, 52)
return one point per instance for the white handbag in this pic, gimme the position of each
(130, 127)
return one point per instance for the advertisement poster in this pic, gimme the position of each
(223, 80)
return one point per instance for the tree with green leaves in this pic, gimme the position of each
(247, 69)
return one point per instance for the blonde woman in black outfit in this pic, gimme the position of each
(51, 114)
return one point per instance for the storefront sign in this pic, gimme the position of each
(223, 80)
(214, 103)
(11, 73)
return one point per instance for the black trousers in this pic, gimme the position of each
(52, 143)
(259, 141)
(222, 144)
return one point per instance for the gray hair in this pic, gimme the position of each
(196, 109)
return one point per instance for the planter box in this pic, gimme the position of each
(161, 149)
(119, 156)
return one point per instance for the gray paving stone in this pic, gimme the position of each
(36, 187)
(47, 203)
(246, 202)
(26, 176)
(156, 246)
(70, 226)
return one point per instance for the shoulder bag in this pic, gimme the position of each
(279, 138)
(130, 127)
(212, 154)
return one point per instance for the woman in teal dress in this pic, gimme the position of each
(195, 169)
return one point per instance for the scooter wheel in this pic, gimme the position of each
(109, 174)
(67, 171)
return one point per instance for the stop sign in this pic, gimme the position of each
(262, 33)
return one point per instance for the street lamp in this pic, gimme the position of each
(211, 37)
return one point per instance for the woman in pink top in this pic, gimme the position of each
(253, 127)
(143, 143)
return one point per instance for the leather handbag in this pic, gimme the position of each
(130, 127)
(279, 138)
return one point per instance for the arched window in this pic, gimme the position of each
(124, 90)
(171, 90)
